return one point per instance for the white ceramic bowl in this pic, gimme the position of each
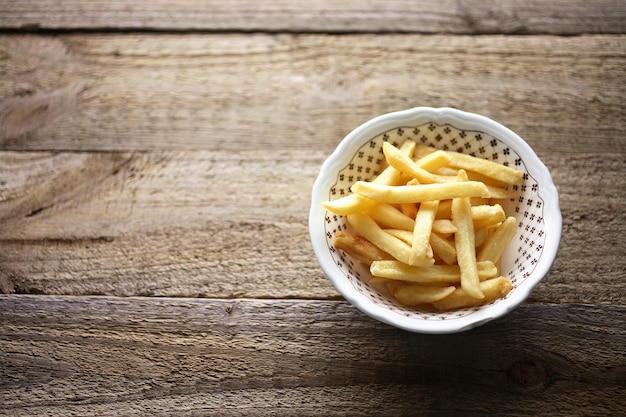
(527, 258)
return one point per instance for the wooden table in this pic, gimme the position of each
(156, 164)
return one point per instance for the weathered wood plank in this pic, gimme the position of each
(228, 91)
(426, 16)
(226, 224)
(117, 356)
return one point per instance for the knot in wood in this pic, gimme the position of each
(528, 375)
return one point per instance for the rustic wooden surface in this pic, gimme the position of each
(156, 163)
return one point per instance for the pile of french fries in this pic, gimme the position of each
(431, 226)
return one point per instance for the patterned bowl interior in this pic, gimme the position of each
(521, 256)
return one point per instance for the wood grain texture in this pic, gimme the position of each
(119, 355)
(234, 224)
(277, 91)
(425, 16)
(137, 356)
(156, 164)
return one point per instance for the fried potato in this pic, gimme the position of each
(443, 248)
(465, 243)
(444, 211)
(443, 226)
(487, 215)
(360, 249)
(430, 226)
(435, 274)
(492, 289)
(409, 209)
(419, 193)
(366, 227)
(387, 215)
(432, 161)
(499, 193)
(404, 235)
(410, 294)
(354, 203)
(485, 167)
(495, 244)
(407, 166)
(421, 232)
(480, 236)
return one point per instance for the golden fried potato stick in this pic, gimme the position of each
(432, 275)
(465, 244)
(421, 233)
(489, 182)
(404, 235)
(433, 161)
(419, 193)
(407, 237)
(487, 215)
(480, 236)
(423, 150)
(495, 244)
(443, 248)
(387, 215)
(445, 210)
(411, 294)
(366, 227)
(354, 203)
(406, 165)
(404, 220)
(492, 289)
(498, 193)
(485, 167)
(444, 227)
(359, 248)
(480, 201)
(409, 209)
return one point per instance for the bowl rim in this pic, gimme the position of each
(460, 119)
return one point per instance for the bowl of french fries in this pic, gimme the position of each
(434, 220)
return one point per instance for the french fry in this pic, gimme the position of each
(492, 289)
(406, 165)
(448, 171)
(486, 215)
(485, 167)
(445, 210)
(422, 151)
(388, 216)
(465, 244)
(480, 236)
(353, 203)
(479, 201)
(410, 294)
(443, 226)
(404, 235)
(488, 181)
(360, 249)
(433, 161)
(378, 280)
(366, 227)
(443, 248)
(435, 274)
(419, 193)
(495, 244)
(421, 232)
(409, 209)
(500, 193)
(407, 237)
(430, 226)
